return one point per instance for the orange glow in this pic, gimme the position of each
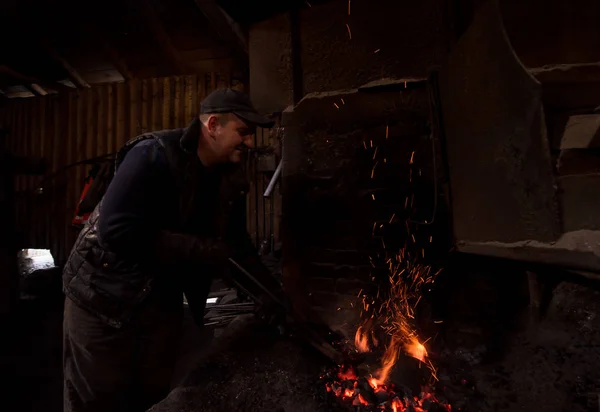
(415, 349)
(347, 375)
(362, 400)
(397, 405)
(348, 393)
(361, 341)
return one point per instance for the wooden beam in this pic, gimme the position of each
(225, 26)
(37, 89)
(72, 73)
(116, 60)
(150, 15)
(32, 80)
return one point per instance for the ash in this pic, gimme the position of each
(249, 367)
(550, 365)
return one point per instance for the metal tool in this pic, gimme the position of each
(309, 335)
(274, 179)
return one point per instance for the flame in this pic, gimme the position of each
(361, 341)
(416, 349)
(362, 400)
(397, 405)
(347, 375)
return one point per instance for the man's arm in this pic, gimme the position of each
(246, 254)
(129, 222)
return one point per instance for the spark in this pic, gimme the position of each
(365, 144)
(412, 158)
(349, 32)
(384, 160)
(377, 51)
(349, 9)
(375, 154)
(343, 102)
(373, 196)
(371, 141)
(336, 106)
(387, 131)
(392, 218)
(373, 170)
(405, 84)
(308, 4)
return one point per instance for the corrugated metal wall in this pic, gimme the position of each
(83, 124)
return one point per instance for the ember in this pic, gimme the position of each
(390, 316)
(370, 394)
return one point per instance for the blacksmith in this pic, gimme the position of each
(171, 217)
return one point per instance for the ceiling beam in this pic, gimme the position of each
(37, 89)
(117, 61)
(225, 26)
(32, 80)
(151, 17)
(74, 76)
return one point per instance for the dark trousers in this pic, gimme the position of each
(128, 369)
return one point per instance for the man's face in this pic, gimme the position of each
(231, 138)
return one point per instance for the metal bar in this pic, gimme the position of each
(252, 278)
(274, 179)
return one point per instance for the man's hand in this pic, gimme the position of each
(271, 313)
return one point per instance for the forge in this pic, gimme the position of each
(428, 197)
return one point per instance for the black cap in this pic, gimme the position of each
(232, 101)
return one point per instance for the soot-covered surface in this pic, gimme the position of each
(250, 368)
(552, 365)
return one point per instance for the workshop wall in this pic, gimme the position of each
(86, 123)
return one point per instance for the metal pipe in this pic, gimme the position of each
(256, 282)
(274, 179)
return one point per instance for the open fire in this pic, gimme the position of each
(394, 318)
(387, 328)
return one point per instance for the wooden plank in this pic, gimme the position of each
(117, 61)
(213, 81)
(25, 226)
(145, 107)
(111, 117)
(35, 141)
(50, 85)
(55, 244)
(201, 88)
(81, 113)
(135, 112)
(167, 103)
(48, 148)
(181, 102)
(177, 102)
(157, 103)
(195, 97)
(123, 115)
(189, 102)
(70, 175)
(74, 76)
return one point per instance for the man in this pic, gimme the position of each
(170, 218)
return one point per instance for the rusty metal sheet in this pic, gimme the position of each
(502, 184)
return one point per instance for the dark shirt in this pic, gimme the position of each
(143, 199)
